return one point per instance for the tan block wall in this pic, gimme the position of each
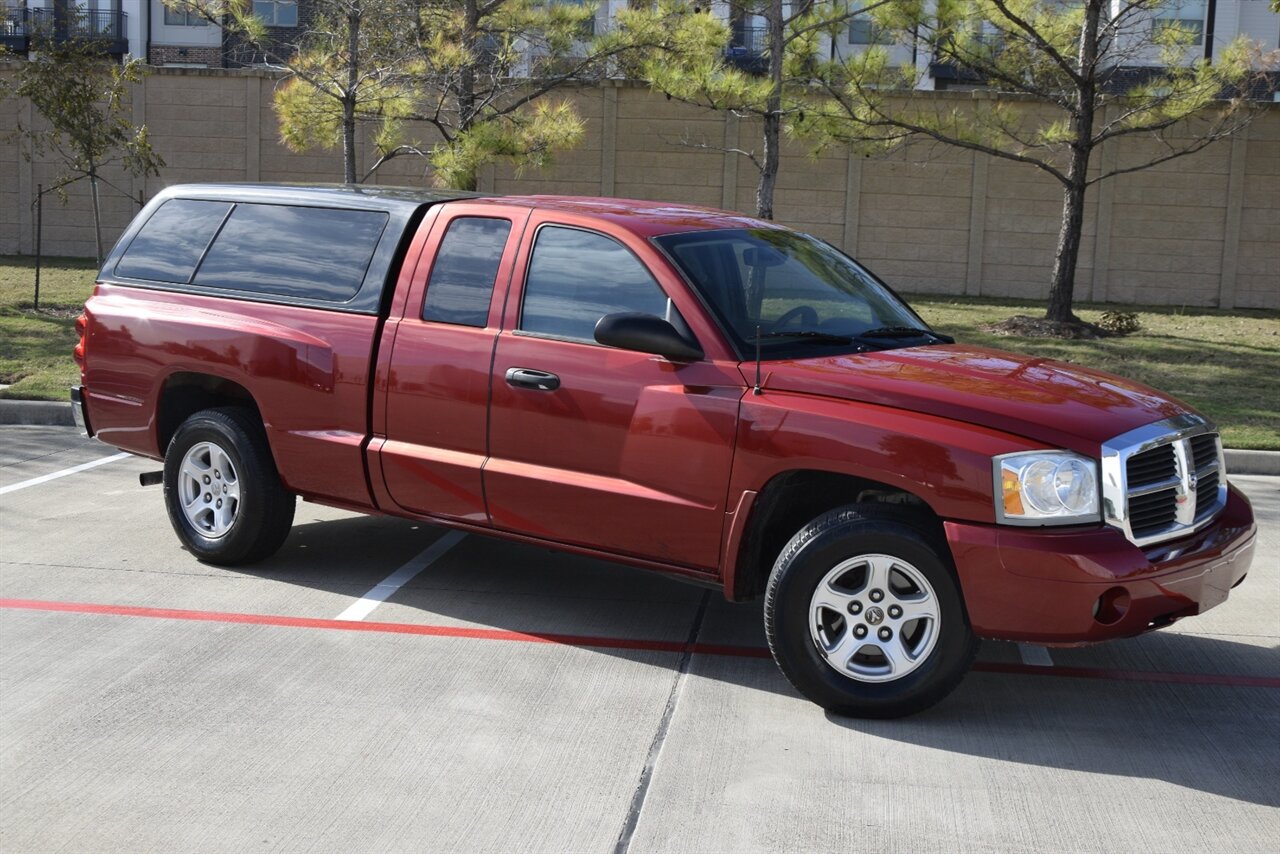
(1258, 246)
(1202, 230)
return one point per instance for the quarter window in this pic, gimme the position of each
(299, 252)
(170, 243)
(577, 277)
(465, 269)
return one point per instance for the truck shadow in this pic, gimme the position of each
(1218, 739)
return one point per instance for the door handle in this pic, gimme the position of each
(529, 378)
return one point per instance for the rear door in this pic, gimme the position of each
(437, 393)
(601, 447)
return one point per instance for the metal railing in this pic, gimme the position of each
(747, 48)
(19, 27)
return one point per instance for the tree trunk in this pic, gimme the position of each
(349, 97)
(97, 212)
(466, 87)
(467, 74)
(348, 141)
(1067, 255)
(773, 112)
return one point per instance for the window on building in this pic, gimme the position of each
(863, 30)
(466, 266)
(277, 13)
(1186, 15)
(588, 27)
(577, 277)
(183, 16)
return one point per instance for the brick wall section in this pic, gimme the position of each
(239, 54)
(164, 54)
(1200, 231)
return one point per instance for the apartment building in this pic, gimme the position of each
(1213, 23)
(147, 29)
(166, 35)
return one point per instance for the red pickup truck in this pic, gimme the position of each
(692, 391)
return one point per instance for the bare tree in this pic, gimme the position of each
(1100, 70)
(479, 73)
(487, 72)
(84, 98)
(763, 72)
(342, 69)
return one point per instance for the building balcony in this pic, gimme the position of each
(748, 49)
(21, 29)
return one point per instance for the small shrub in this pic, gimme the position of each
(1120, 322)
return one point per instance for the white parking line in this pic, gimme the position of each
(45, 478)
(1036, 656)
(393, 582)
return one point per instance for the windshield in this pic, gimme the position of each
(799, 292)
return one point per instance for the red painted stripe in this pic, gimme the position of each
(342, 625)
(596, 642)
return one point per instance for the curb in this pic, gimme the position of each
(1252, 462)
(54, 414)
(46, 412)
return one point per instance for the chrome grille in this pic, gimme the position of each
(1164, 480)
(1204, 449)
(1153, 511)
(1207, 494)
(1154, 466)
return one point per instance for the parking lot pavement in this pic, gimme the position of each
(508, 698)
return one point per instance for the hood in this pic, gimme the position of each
(1060, 404)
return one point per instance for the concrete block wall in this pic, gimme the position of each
(1202, 230)
(1255, 245)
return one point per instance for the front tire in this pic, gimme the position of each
(222, 491)
(865, 617)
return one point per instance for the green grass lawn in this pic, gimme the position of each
(1226, 364)
(35, 346)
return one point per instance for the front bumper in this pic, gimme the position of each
(79, 413)
(1081, 586)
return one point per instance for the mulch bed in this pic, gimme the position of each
(1039, 327)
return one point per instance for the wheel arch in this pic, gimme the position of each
(791, 499)
(184, 393)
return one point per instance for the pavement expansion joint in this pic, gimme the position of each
(664, 726)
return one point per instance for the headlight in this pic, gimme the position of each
(1046, 488)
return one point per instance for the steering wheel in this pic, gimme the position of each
(805, 313)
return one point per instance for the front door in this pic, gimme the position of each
(592, 445)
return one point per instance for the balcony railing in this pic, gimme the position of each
(19, 28)
(747, 49)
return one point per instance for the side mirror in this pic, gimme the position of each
(646, 333)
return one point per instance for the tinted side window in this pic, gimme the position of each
(577, 277)
(464, 271)
(313, 253)
(171, 242)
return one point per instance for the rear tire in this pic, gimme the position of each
(222, 490)
(864, 615)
